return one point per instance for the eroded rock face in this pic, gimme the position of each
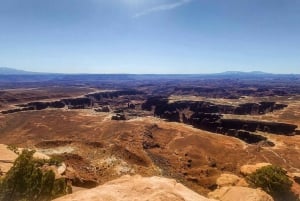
(17, 110)
(113, 94)
(252, 126)
(128, 188)
(258, 108)
(162, 104)
(84, 102)
(77, 103)
(208, 116)
(246, 136)
(230, 93)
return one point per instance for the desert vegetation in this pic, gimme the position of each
(28, 181)
(275, 181)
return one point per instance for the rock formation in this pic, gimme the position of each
(238, 193)
(7, 158)
(84, 102)
(234, 188)
(230, 180)
(209, 116)
(249, 169)
(129, 188)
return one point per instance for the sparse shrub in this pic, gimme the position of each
(60, 188)
(55, 160)
(13, 148)
(52, 161)
(273, 180)
(26, 181)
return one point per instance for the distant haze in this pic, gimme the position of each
(227, 74)
(157, 36)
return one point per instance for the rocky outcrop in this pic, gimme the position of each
(208, 116)
(230, 180)
(233, 188)
(252, 126)
(7, 158)
(84, 102)
(113, 94)
(233, 92)
(258, 108)
(148, 140)
(79, 171)
(17, 110)
(161, 105)
(102, 109)
(118, 117)
(238, 193)
(77, 103)
(249, 169)
(246, 136)
(128, 188)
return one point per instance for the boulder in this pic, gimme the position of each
(118, 117)
(230, 180)
(249, 169)
(61, 169)
(238, 193)
(102, 109)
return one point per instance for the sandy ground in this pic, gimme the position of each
(7, 157)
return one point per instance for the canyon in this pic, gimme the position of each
(191, 129)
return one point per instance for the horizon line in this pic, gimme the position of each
(228, 72)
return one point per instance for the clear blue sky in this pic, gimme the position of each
(150, 36)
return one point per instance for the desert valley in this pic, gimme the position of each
(207, 132)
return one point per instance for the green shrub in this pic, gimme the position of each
(52, 161)
(60, 188)
(273, 180)
(26, 181)
(55, 160)
(13, 148)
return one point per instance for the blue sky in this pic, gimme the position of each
(150, 36)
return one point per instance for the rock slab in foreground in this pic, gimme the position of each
(238, 193)
(130, 188)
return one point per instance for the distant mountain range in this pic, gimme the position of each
(13, 71)
(244, 73)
